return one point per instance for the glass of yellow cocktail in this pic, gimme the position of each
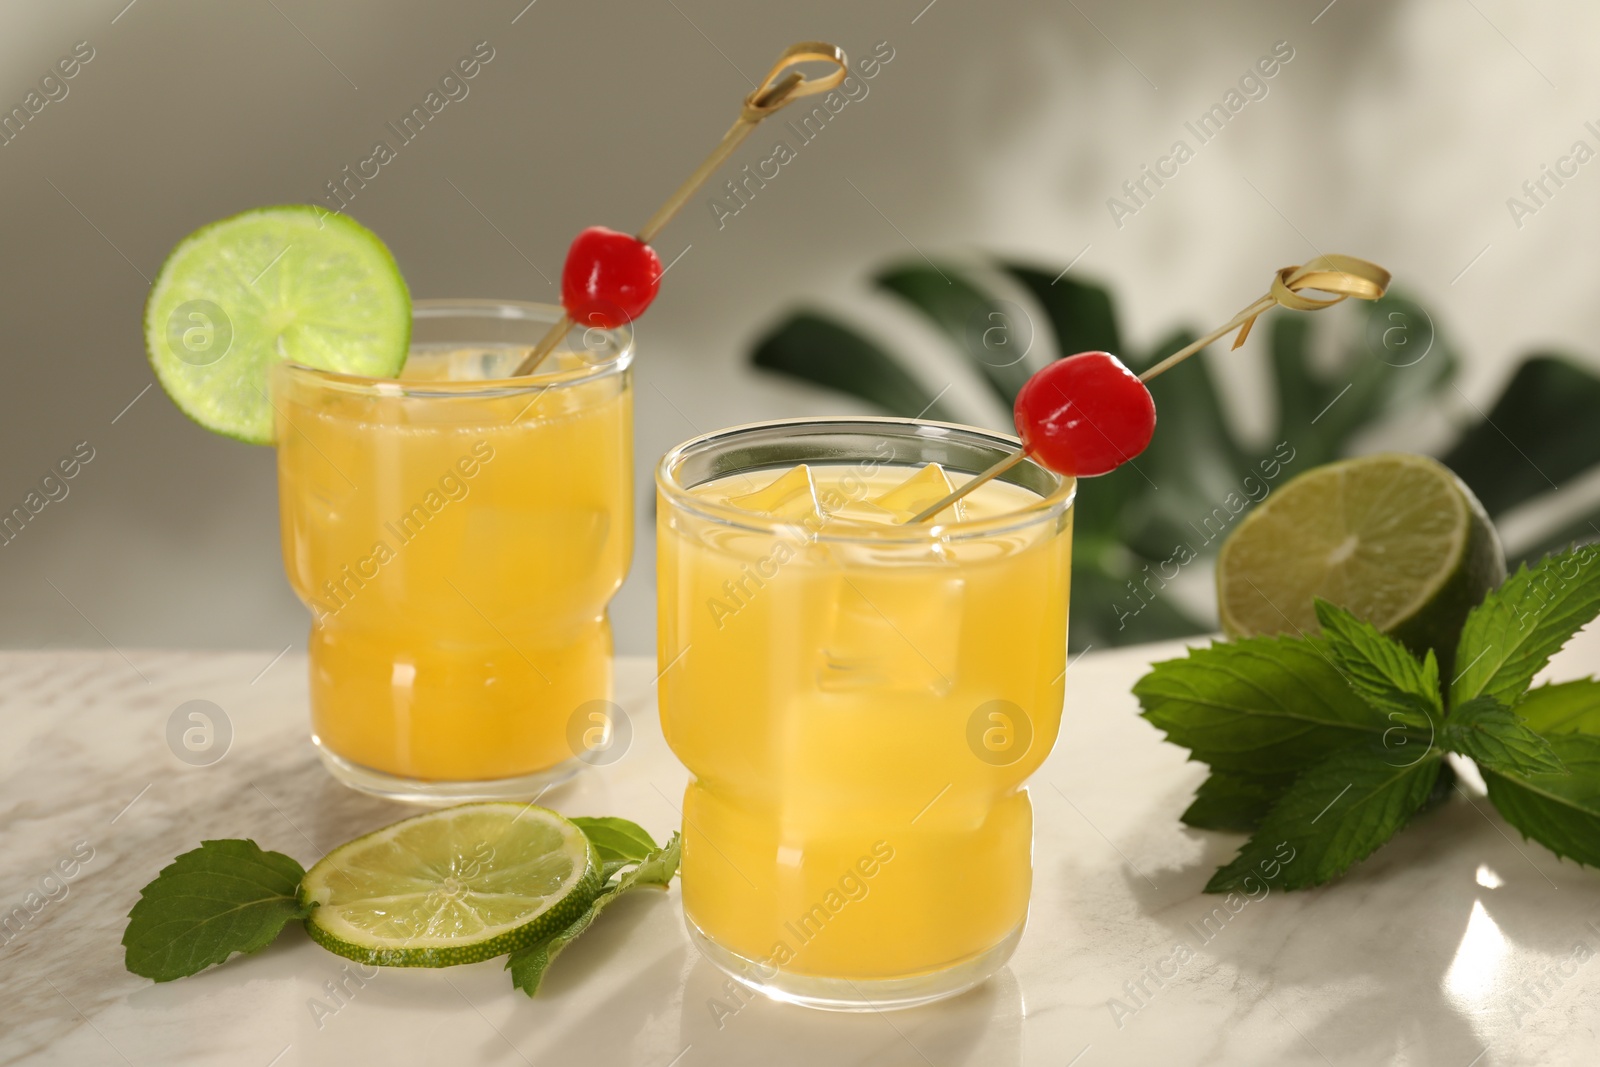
(458, 533)
(859, 700)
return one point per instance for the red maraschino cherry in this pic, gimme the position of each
(1084, 415)
(609, 278)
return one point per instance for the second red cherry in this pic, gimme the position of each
(1084, 415)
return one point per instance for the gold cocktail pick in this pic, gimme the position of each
(783, 84)
(1342, 276)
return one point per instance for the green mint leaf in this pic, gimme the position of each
(1259, 705)
(1492, 736)
(1336, 814)
(1381, 670)
(617, 840)
(528, 965)
(1560, 811)
(1511, 636)
(656, 869)
(224, 897)
(1563, 708)
(1231, 801)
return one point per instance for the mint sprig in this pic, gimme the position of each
(1325, 747)
(225, 897)
(230, 897)
(654, 868)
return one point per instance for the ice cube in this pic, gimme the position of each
(865, 511)
(917, 492)
(896, 630)
(792, 497)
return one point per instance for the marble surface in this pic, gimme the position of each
(1424, 955)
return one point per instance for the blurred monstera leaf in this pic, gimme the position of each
(1536, 438)
(1333, 376)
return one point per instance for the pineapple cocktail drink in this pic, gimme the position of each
(859, 700)
(457, 534)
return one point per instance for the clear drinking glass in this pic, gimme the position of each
(859, 704)
(458, 534)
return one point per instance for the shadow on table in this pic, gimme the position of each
(1425, 931)
(722, 1022)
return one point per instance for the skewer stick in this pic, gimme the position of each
(1343, 276)
(782, 86)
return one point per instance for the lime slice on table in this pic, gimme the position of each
(1395, 538)
(459, 885)
(277, 283)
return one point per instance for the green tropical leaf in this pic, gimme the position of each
(1538, 434)
(980, 327)
(1105, 612)
(1080, 313)
(1390, 360)
(818, 350)
(1185, 477)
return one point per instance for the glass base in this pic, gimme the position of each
(855, 994)
(425, 791)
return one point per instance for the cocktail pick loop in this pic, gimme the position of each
(1342, 276)
(784, 84)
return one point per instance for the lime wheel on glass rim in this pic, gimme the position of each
(277, 283)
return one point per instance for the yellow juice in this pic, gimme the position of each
(457, 539)
(859, 714)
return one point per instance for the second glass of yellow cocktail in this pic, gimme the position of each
(859, 700)
(458, 533)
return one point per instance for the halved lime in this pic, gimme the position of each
(453, 886)
(1395, 538)
(276, 283)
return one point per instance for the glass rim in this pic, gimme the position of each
(1045, 508)
(479, 308)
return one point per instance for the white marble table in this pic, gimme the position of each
(1421, 957)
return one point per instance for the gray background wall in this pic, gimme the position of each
(1397, 132)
